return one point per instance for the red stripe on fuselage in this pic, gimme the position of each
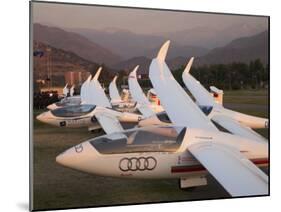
(195, 168)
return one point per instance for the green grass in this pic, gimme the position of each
(59, 187)
(259, 97)
(262, 92)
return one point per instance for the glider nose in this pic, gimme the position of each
(77, 157)
(39, 117)
(52, 106)
(69, 157)
(42, 117)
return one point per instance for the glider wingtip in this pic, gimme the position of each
(97, 73)
(163, 51)
(115, 78)
(134, 72)
(89, 78)
(188, 66)
(136, 68)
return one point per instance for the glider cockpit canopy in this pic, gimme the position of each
(67, 101)
(162, 116)
(152, 139)
(73, 111)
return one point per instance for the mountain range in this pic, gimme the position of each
(73, 42)
(210, 37)
(243, 49)
(61, 61)
(129, 44)
(123, 50)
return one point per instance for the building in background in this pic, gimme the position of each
(75, 77)
(57, 89)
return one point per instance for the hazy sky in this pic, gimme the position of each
(135, 20)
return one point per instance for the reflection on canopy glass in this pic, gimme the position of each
(69, 101)
(162, 116)
(73, 111)
(154, 139)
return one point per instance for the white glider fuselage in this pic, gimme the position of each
(83, 116)
(162, 119)
(170, 159)
(253, 122)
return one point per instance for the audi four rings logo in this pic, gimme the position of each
(137, 164)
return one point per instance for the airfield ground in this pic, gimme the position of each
(58, 187)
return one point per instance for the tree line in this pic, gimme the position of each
(233, 76)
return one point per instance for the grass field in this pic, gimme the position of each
(59, 187)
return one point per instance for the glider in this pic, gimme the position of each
(70, 100)
(227, 120)
(116, 101)
(234, 122)
(94, 112)
(223, 159)
(189, 150)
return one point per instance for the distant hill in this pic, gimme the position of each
(75, 43)
(242, 49)
(211, 37)
(144, 63)
(176, 50)
(175, 62)
(125, 43)
(61, 62)
(129, 44)
(129, 65)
